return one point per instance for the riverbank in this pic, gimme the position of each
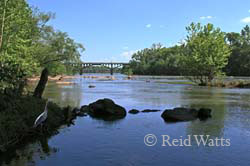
(231, 84)
(228, 82)
(67, 79)
(17, 116)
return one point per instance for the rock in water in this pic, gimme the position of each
(204, 113)
(179, 114)
(185, 114)
(91, 86)
(149, 110)
(133, 111)
(105, 108)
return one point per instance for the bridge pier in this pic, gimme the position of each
(111, 69)
(81, 71)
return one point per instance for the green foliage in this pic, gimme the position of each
(239, 60)
(205, 53)
(16, 35)
(18, 114)
(156, 60)
(27, 45)
(127, 70)
(56, 46)
(55, 50)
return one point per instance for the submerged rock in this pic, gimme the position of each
(204, 113)
(185, 114)
(133, 111)
(149, 110)
(91, 86)
(106, 108)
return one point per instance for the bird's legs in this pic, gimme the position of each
(41, 128)
(46, 128)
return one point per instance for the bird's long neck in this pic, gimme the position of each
(46, 109)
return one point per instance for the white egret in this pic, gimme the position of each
(42, 117)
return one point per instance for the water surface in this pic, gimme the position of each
(97, 142)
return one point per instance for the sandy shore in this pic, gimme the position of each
(65, 79)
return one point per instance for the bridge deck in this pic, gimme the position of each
(105, 63)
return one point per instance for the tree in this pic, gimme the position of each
(17, 28)
(55, 50)
(157, 60)
(206, 53)
(239, 60)
(28, 45)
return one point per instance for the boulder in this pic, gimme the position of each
(185, 114)
(133, 111)
(149, 110)
(105, 108)
(179, 114)
(204, 113)
(91, 86)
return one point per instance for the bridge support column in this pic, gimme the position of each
(81, 71)
(111, 69)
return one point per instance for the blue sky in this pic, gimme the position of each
(112, 30)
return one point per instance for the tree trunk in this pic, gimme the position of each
(3, 22)
(42, 83)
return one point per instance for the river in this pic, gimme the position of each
(96, 142)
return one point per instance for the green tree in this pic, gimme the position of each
(206, 53)
(28, 44)
(17, 28)
(157, 60)
(239, 60)
(55, 50)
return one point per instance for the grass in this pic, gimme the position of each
(17, 116)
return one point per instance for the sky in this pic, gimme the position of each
(112, 30)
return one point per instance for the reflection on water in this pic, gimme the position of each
(98, 142)
(29, 154)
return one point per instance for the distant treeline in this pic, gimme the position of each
(159, 60)
(100, 69)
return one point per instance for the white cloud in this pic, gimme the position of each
(148, 26)
(249, 10)
(128, 54)
(205, 17)
(245, 20)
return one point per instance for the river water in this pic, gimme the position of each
(103, 143)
